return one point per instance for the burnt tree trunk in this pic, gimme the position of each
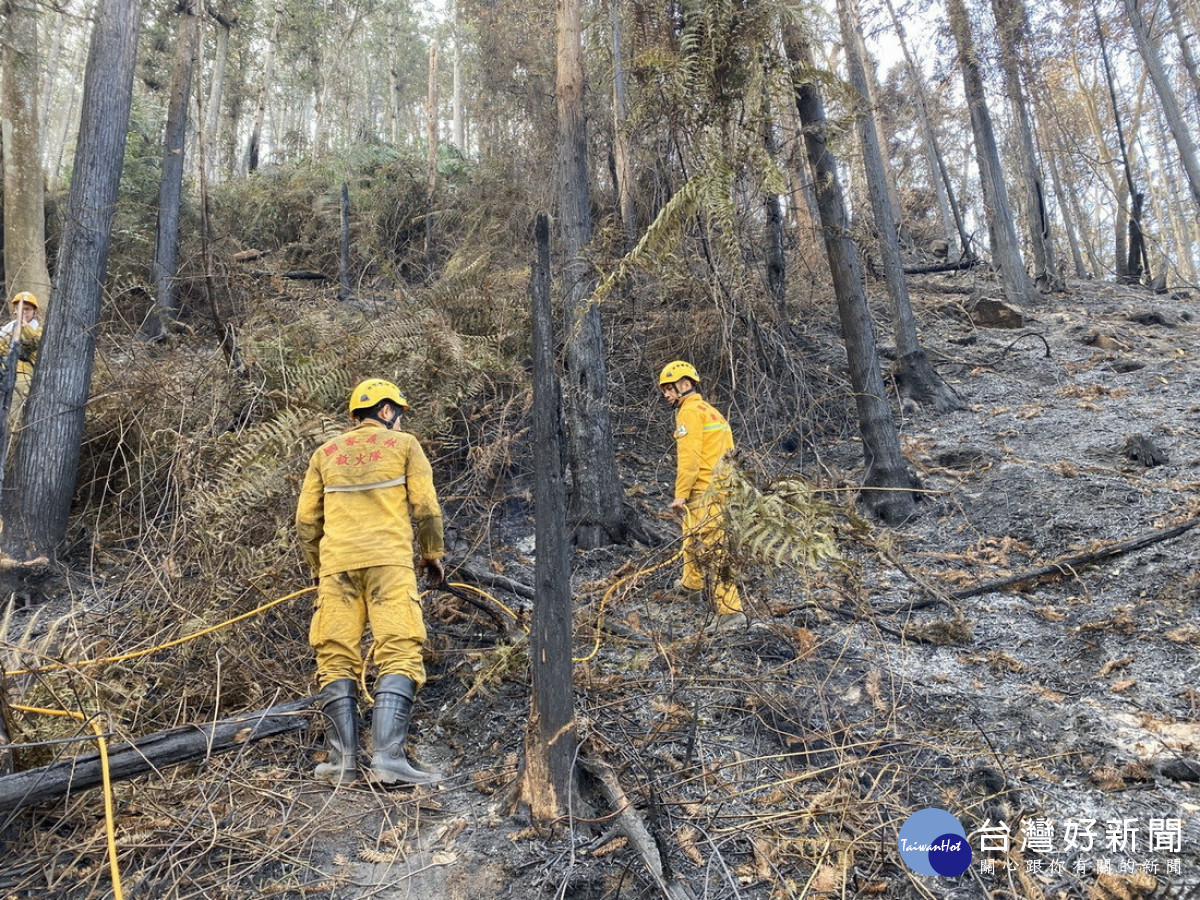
(916, 378)
(886, 469)
(1006, 248)
(597, 513)
(550, 739)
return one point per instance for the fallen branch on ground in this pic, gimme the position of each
(150, 753)
(1069, 565)
(630, 824)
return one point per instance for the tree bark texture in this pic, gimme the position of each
(1010, 28)
(1166, 96)
(216, 90)
(623, 160)
(916, 378)
(886, 468)
(24, 210)
(1006, 248)
(597, 514)
(166, 243)
(550, 740)
(37, 499)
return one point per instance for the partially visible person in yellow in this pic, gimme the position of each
(28, 330)
(363, 491)
(702, 439)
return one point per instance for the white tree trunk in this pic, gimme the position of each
(24, 210)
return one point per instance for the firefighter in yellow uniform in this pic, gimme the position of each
(362, 493)
(702, 439)
(28, 331)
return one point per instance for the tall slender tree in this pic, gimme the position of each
(915, 375)
(939, 175)
(24, 210)
(170, 191)
(1011, 27)
(888, 484)
(1006, 248)
(37, 499)
(550, 740)
(254, 147)
(1188, 157)
(597, 515)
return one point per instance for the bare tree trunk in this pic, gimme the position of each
(1138, 264)
(1011, 25)
(1006, 248)
(37, 499)
(1068, 218)
(548, 785)
(776, 259)
(166, 245)
(621, 152)
(62, 127)
(260, 108)
(212, 124)
(939, 177)
(49, 76)
(24, 202)
(1166, 96)
(344, 257)
(916, 378)
(1123, 259)
(431, 137)
(1179, 25)
(459, 130)
(597, 514)
(894, 502)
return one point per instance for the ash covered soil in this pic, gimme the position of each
(1058, 719)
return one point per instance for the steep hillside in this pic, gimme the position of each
(777, 762)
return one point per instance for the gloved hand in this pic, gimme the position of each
(431, 569)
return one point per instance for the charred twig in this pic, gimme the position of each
(630, 824)
(1069, 565)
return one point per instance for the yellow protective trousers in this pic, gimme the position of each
(385, 596)
(702, 534)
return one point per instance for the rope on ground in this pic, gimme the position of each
(604, 601)
(109, 817)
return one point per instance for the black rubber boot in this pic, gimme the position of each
(339, 704)
(393, 707)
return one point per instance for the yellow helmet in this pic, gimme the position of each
(373, 391)
(27, 298)
(673, 371)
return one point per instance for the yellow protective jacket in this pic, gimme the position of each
(31, 336)
(354, 506)
(702, 437)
